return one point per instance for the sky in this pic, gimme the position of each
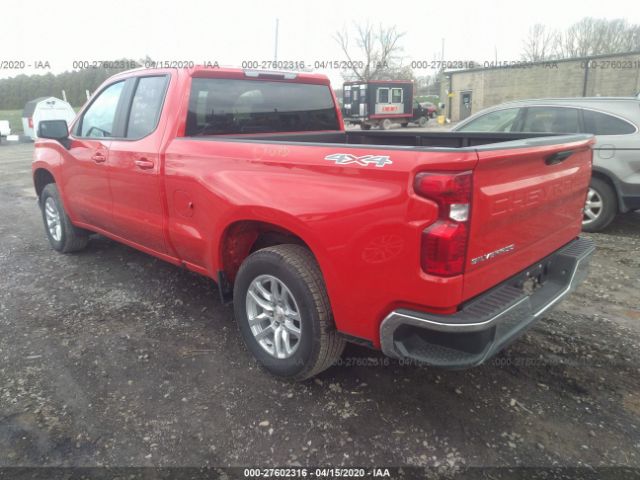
(232, 32)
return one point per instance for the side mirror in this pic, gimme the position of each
(54, 130)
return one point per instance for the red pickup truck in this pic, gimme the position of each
(436, 247)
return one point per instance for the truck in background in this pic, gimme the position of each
(378, 103)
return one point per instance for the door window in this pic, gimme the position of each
(99, 118)
(551, 120)
(498, 121)
(146, 106)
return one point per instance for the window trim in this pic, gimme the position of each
(378, 95)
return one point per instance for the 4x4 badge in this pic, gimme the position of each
(365, 160)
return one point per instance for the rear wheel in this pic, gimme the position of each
(404, 124)
(386, 124)
(601, 206)
(62, 235)
(365, 126)
(283, 312)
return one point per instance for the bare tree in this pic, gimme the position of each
(589, 36)
(596, 36)
(372, 53)
(540, 44)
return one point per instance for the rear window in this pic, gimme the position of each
(225, 106)
(602, 124)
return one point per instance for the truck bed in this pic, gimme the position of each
(393, 139)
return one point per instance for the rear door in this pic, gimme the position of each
(134, 166)
(86, 180)
(527, 202)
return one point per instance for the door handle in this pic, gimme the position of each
(98, 157)
(558, 157)
(144, 164)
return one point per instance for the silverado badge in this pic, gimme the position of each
(365, 160)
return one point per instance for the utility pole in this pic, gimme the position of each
(275, 55)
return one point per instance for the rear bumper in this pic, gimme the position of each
(489, 322)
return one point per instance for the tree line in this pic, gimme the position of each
(590, 36)
(18, 90)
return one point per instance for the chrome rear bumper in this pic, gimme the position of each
(489, 322)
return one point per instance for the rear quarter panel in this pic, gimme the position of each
(363, 223)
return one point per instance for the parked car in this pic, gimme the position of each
(5, 129)
(615, 121)
(422, 112)
(431, 109)
(320, 235)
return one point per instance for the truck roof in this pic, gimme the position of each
(238, 73)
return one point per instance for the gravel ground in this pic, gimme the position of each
(110, 357)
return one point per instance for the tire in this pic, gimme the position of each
(386, 124)
(318, 345)
(63, 236)
(404, 124)
(422, 121)
(365, 126)
(602, 205)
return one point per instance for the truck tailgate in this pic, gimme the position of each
(527, 202)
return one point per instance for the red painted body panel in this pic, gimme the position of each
(363, 223)
(520, 201)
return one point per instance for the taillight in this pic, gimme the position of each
(444, 243)
(30, 122)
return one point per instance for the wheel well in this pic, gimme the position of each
(605, 178)
(41, 178)
(243, 238)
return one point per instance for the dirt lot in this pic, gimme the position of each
(110, 357)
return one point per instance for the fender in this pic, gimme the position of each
(622, 207)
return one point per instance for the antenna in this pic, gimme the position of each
(275, 54)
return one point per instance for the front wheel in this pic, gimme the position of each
(601, 206)
(62, 235)
(283, 312)
(422, 121)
